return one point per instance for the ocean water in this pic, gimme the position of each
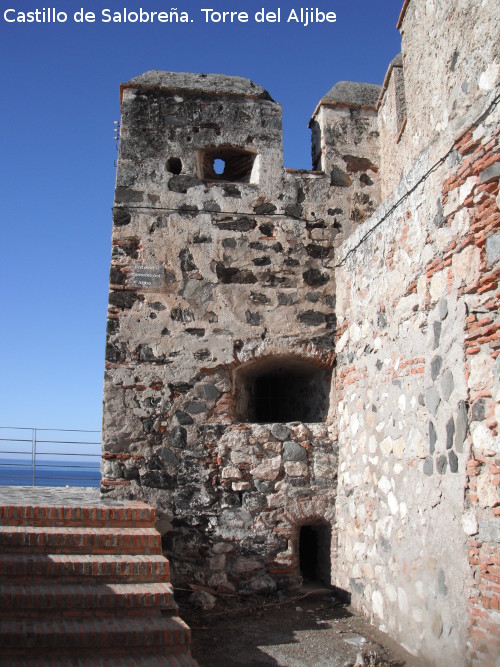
(19, 472)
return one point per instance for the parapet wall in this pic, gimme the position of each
(346, 147)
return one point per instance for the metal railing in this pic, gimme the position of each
(49, 457)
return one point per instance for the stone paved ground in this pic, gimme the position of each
(312, 629)
(54, 495)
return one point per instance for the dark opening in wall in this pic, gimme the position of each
(226, 163)
(315, 144)
(281, 390)
(314, 553)
(174, 165)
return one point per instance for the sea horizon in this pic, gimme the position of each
(54, 472)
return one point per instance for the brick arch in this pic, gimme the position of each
(287, 523)
(225, 409)
(301, 350)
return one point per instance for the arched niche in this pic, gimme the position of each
(281, 389)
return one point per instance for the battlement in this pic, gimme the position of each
(200, 84)
(351, 94)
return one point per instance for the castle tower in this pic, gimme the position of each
(218, 402)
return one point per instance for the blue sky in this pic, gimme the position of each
(60, 96)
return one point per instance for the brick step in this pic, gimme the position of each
(83, 583)
(61, 597)
(134, 514)
(79, 540)
(100, 659)
(76, 568)
(110, 632)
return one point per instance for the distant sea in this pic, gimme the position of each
(18, 472)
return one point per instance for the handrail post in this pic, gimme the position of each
(33, 457)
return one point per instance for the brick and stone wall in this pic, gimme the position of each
(471, 193)
(417, 370)
(417, 383)
(315, 353)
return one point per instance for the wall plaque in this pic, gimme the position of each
(147, 276)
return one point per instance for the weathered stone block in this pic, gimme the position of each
(268, 470)
(447, 384)
(280, 431)
(292, 451)
(493, 248)
(432, 400)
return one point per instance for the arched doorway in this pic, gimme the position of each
(314, 551)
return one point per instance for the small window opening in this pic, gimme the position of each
(226, 164)
(174, 165)
(281, 391)
(314, 553)
(316, 146)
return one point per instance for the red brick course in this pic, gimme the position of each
(53, 515)
(37, 567)
(118, 597)
(45, 539)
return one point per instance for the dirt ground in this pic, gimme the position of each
(311, 629)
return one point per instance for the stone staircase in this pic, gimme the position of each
(83, 583)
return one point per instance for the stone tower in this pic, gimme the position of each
(219, 408)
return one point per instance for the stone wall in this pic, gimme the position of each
(315, 353)
(417, 370)
(221, 331)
